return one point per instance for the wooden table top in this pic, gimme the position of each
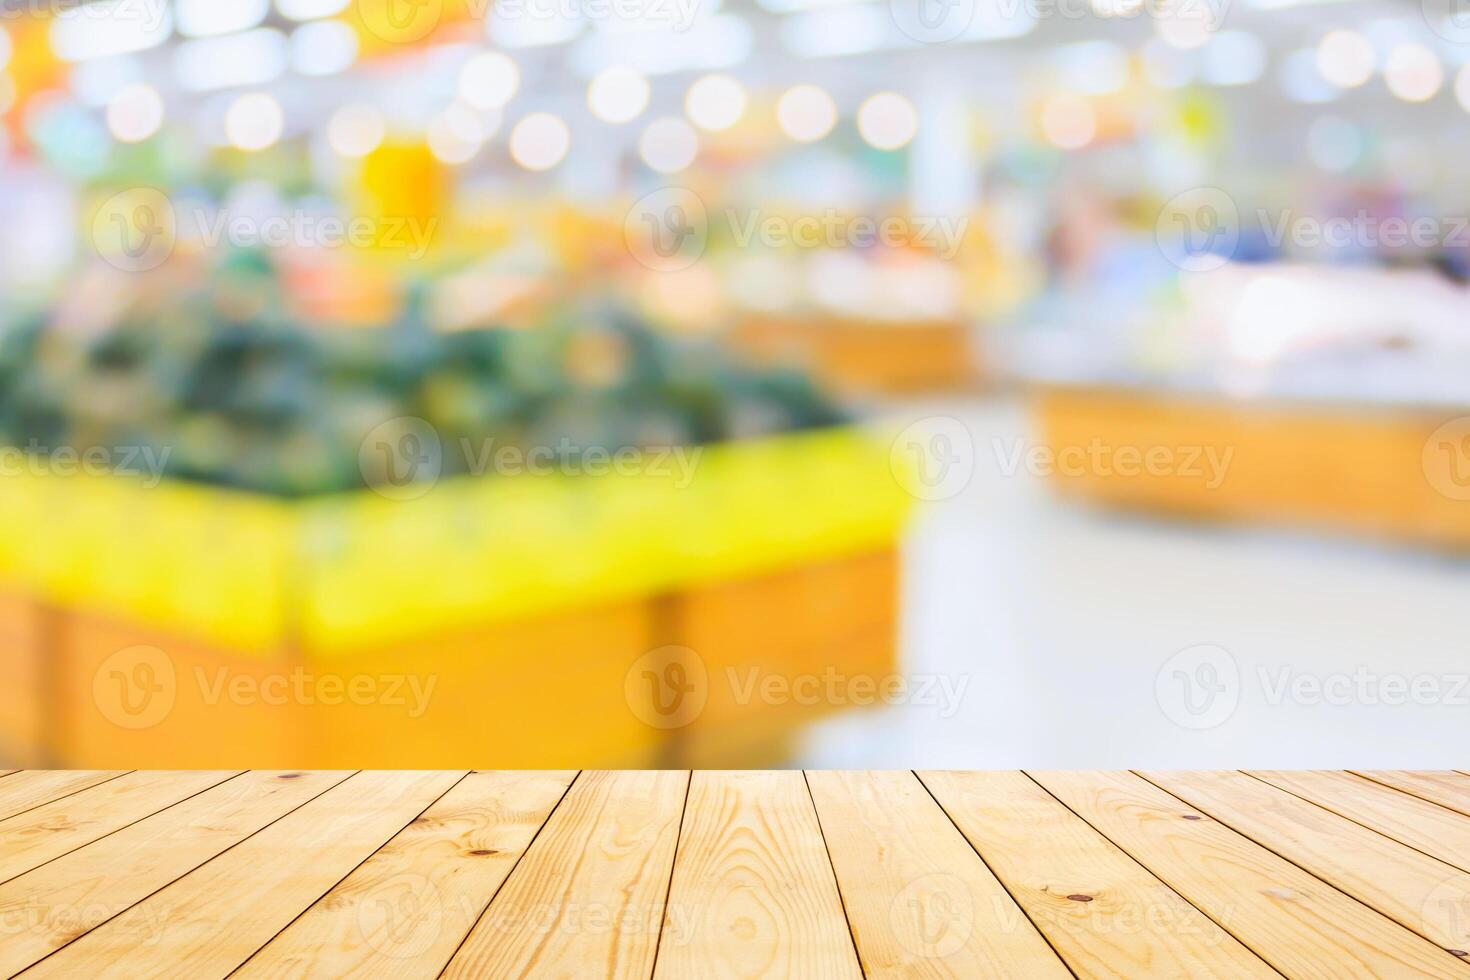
(726, 874)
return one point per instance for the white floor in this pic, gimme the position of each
(1088, 640)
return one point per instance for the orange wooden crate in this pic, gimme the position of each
(765, 652)
(128, 694)
(765, 734)
(24, 724)
(546, 692)
(552, 691)
(503, 694)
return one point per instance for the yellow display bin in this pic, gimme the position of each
(491, 621)
(1379, 471)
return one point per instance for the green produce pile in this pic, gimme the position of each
(228, 390)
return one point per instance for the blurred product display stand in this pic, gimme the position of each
(532, 620)
(1330, 399)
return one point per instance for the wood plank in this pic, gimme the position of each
(199, 926)
(753, 894)
(406, 910)
(1418, 823)
(1294, 921)
(1102, 911)
(31, 788)
(52, 829)
(60, 901)
(1446, 787)
(919, 900)
(291, 874)
(1417, 891)
(588, 897)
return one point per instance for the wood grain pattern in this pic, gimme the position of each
(33, 787)
(1102, 911)
(588, 897)
(1422, 825)
(921, 903)
(753, 893)
(281, 874)
(53, 905)
(1426, 895)
(1445, 787)
(283, 869)
(405, 910)
(1296, 922)
(51, 829)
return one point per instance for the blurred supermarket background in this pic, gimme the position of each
(1072, 383)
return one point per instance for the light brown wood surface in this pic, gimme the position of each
(24, 791)
(212, 919)
(732, 874)
(1447, 788)
(1420, 824)
(405, 910)
(1404, 885)
(589, 894)
(753, 893)
(920, 901)
(30, 839)
(1298, 923)
(65, 899)
(1102, 910)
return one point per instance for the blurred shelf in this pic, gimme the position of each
(1386, 471)
(871, 356)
